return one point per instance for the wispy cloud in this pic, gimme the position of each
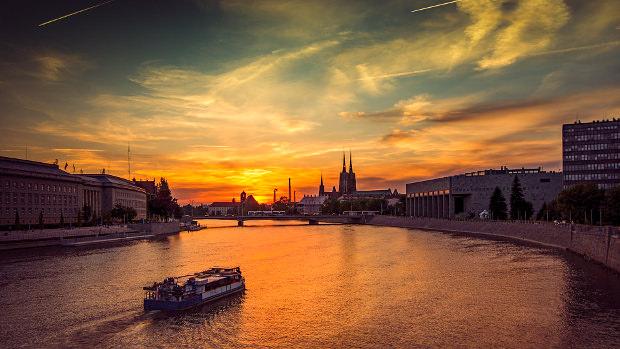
(70, 150)
(55, 66)
(532, 28)
(278, 89)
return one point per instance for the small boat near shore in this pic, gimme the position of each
(191, 226)
(173, 294)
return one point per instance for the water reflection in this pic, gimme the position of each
(313, 286)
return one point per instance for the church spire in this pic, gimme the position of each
(350, 162)
(344, 162)
(321, 178)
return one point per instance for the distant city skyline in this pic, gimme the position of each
(224, 96)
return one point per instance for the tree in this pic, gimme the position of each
(581, 202)
(549, 212)
(163, 204)
(519, 207)
(123, 213)
(497, 205)
(330, 206)
(281, 205)
(613, 206)
(542, 213)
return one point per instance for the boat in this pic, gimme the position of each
(191, 226)
(173, 294)
(194, 226)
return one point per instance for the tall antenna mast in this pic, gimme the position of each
(128, 162)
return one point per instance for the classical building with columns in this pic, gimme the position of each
(30, 190)
(112, 191)
(470, 193)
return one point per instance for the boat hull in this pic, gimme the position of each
(156, 304)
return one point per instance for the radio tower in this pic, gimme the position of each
(128, 161)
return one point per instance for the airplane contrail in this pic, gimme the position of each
(74, 13)
(438, 5)
(578, 48)
(395, 75)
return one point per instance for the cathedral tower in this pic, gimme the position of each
(321, 187)
(342, 183)
(351, 182)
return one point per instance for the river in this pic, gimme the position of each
(321, 286)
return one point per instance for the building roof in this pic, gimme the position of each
(590, 123)
(503, 170)
(147, 185)
(224, 204)
(251, 200)
(313, 200)
(7, 163)
(376, 192)
(110, 180)
(29, 168)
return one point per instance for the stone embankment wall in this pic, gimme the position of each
(601, 244)
(160, 228)
(47, 234)
(52, 237)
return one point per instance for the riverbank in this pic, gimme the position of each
(56, 237)
(600, 244)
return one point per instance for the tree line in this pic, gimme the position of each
(582, 203)
(335, 206)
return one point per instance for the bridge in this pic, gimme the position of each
(311, 219)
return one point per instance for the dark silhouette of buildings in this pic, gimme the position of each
(347, 183)
(347, 186)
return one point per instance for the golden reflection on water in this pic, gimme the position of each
(316, 286)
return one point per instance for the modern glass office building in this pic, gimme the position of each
(591, 153)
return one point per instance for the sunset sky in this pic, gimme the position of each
(224, 96)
